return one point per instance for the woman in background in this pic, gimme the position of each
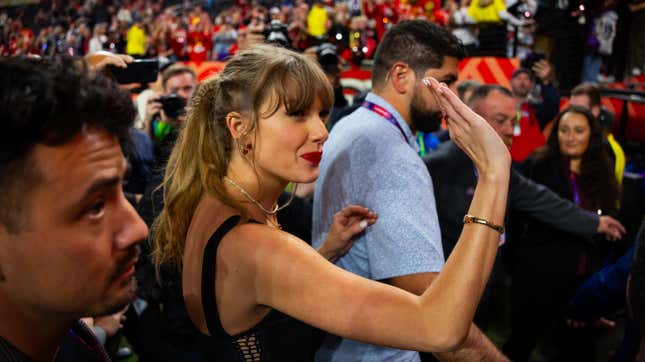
(548, 264)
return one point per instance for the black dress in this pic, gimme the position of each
(277, 337)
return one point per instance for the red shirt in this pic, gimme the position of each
(178, 42)
(384, 17)
(199, 44)
(528, 136)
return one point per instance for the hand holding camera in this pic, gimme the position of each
(173, 105)
(170, 109)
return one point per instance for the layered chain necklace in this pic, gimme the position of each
(275, 209)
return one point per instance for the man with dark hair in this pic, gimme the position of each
(465, 88)
(68, 237)
(371, 158)
(587, 95)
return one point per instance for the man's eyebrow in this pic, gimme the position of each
(500, 116)
(98, 185)
(449, 79)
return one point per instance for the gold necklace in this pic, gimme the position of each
(276, 208)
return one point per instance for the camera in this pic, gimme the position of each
(173, 105)
(328, 58)
(277, 33)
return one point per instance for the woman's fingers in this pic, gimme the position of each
(359, 213)
(453, 102)
(469, 130)
(447, 101)
(350, 210)
(456, 124)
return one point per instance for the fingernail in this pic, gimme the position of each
(426, 82)
(362, 224)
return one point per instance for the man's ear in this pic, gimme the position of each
(237, 125)
(401, 76)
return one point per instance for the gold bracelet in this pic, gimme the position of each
(469, 219)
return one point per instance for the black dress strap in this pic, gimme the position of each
(277, 337)
(211, 315)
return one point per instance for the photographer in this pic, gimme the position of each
(157, 330)
(532, 85)
(165, 113)
(327, 57)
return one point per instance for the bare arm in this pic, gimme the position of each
(279, 271)
(545, 205)
(476, 347)
(287, 275)
(294, 279)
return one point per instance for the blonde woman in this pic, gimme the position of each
(254, 288)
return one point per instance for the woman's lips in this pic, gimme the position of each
(313, 157)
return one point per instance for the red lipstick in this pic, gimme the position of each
(313, 157)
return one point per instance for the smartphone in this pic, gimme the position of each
(531, 59)
(139, 71)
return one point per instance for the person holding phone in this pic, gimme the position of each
(254, 288)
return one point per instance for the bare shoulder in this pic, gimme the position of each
(258, 243)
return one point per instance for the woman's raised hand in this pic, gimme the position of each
(471, 132)
(346, 225)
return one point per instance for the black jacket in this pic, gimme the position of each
(454, 179)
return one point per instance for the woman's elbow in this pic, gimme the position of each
(448, 340)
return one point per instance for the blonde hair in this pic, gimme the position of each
(260, 79)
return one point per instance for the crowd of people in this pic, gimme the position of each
(594, 40)
(363, 261)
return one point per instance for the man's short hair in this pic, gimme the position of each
(590, 90)
(519, 71)
(482, 92)
(466, 85)
(175, 70)
(418, 43)
(49, 101)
